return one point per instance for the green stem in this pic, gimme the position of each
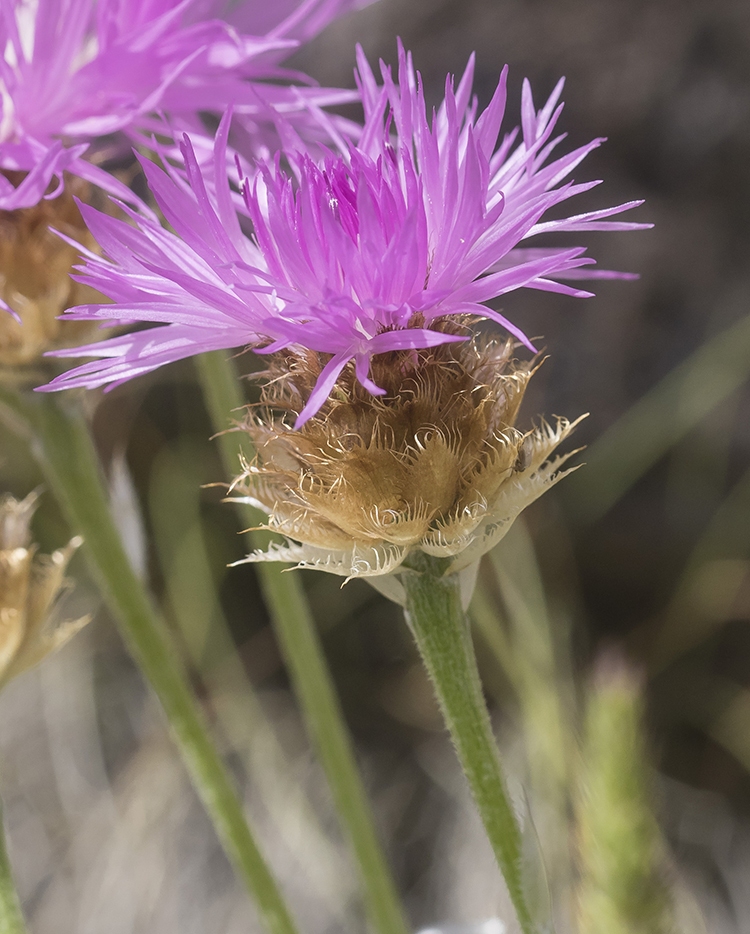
(11, 917)
(67, 455)
(304, 655)
(434, 613)
(194, 601)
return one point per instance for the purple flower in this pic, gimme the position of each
(75, 71)
(354, 255)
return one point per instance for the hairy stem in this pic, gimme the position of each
(435, 616)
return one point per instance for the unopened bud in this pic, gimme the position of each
(35, 266)
(29, 587)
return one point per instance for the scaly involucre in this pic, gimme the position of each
(437, 464)
(74, 71)
(358, 253)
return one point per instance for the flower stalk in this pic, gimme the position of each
(66, 453)
(303, 652)
(437, 621)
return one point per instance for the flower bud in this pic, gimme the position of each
(29, 586)
(34, 278)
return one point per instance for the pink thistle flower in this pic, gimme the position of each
(352, 256)
(74, 71)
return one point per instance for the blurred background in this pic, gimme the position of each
(644, 552)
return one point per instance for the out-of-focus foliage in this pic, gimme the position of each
(621, 886)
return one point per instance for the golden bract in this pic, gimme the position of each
(435, 464)
(34, 278)
(29, 586)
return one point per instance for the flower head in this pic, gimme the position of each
(29, 586)
(354, 255)
(435, 464)
(35, 281)
(75, 71)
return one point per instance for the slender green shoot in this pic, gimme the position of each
(66, 453)
(194, 601)
(11, 916)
